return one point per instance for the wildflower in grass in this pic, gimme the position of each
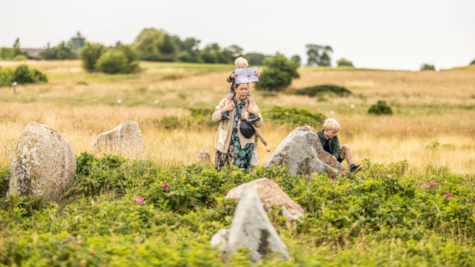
(426, 185)
(165, 186)
(166, 172)
(448, 195)
(431, 184)
(334, 180)
(139, 200)
(225, 192)
(119, 101)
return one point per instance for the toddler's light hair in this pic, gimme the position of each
(331, 124)
(241, 60)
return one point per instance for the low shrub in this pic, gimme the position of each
(89, 55)
(381, 108)
(344, 63)
(20, 58)
(22, 75)
(4, 181)
(427, 67)
(320, 90)
(170, 122)
(166, 216)
(293, 116)
(113, 62)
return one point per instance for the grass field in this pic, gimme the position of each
(433, 122)
(412, 205)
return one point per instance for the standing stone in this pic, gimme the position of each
(252, 229)
(204, 156)
(126, 140)
(271, 194)
(302, 154)
(43, 164)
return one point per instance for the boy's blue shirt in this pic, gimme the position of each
(333, 142)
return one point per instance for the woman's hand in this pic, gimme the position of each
(227, 107)
(257, 73)
(234, 75)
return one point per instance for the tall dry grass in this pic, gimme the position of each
(426, 136)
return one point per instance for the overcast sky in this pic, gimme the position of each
(399, 34)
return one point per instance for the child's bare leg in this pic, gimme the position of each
(251, 100)
(346, 153)
(229, 98)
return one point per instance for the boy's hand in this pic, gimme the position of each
(257, 73)
(268, 148)
(333, 157)
(234, 75)
(308, 128)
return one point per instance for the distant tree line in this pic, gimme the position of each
(157, 45)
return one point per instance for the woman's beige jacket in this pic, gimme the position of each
(225, 129)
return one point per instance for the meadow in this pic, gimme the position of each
(412, 205)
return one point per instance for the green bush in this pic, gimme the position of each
(4, 181)
(293, 116)
(22, 75)
(426, 220)
(89, 55)
(381, 108)
(170, 122)
(20, 58)
(427, 67)
(113, 62)
(278, 74)
(6, 76)
(344, 63)
(320, 90)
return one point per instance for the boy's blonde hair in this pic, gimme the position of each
(241, 60)
(331, 124)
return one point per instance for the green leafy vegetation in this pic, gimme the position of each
(320, 90)
(278, 74)
(120, 59)
(427, 67)
(21, 75)
(344, 63)
(381, 108)
(292, 116)
(122, 212)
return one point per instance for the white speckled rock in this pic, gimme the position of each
(126, 140)
(204, 156)
(43, 164)
(252, 229)
(271, 194)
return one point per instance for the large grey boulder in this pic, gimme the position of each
(271, 195)
(126, 140)
(43, 164)
(302, 153)
(252, 229)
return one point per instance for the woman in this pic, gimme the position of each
(232, 148)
